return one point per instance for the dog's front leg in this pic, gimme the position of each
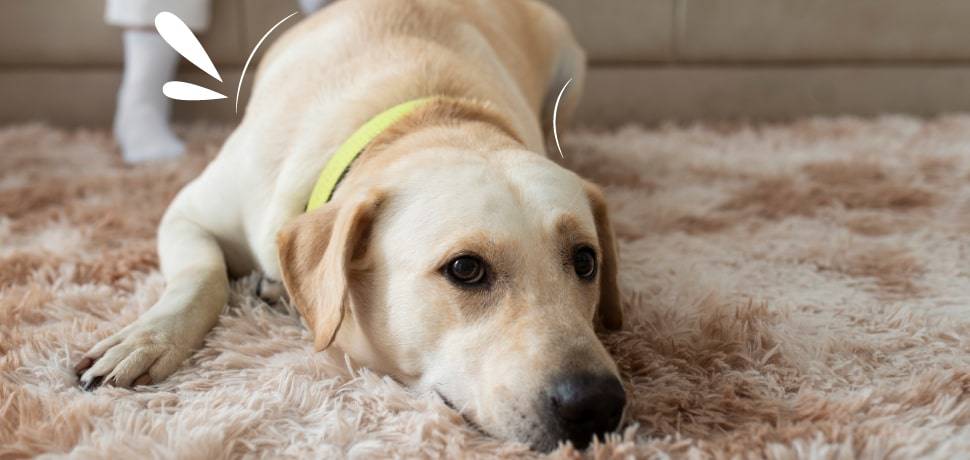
(153, 346)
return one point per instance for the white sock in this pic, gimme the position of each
(142, 118)
(310, 6)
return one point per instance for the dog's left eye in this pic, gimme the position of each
(584, 262)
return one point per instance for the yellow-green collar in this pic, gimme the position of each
(337, 166)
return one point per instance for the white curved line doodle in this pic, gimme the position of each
(555, 115)
(248, 60)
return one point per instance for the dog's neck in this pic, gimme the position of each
(444, 122)
(447, 112)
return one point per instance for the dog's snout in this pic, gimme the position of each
(586, 405)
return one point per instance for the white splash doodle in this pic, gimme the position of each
(178, 35)
(189, 92)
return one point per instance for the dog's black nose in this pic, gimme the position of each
(585, 405)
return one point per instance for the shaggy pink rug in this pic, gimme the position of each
(792, 291)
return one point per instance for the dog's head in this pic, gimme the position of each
(479, 275)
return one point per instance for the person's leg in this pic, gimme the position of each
(141, 124)
(310, 6)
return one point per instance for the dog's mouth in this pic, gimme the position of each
(464, 416)
(541, 447)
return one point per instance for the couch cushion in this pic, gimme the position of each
(613, 31)
(621, 30)
(801, 30)
(73, 32)
(617, 95)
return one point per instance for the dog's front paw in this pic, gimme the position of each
(271, 291)
(145, 352)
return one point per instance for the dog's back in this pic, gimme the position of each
(358, 51)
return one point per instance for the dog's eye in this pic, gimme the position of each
(467, 270)
(584, 262)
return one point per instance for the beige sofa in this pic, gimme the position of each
(651, 60)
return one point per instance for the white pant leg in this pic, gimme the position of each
(141, 13)
(311, 6)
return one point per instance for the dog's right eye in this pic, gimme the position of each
(466, 270)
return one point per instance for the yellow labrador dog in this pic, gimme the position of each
(452, 254)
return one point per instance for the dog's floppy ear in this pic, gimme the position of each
(315, 253)
(609, 312)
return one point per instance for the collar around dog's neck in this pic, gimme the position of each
(342, 158)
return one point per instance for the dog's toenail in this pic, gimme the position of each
(83, 365)
(91, 384)
(145, 379)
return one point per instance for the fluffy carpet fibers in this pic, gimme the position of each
(798, 290)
